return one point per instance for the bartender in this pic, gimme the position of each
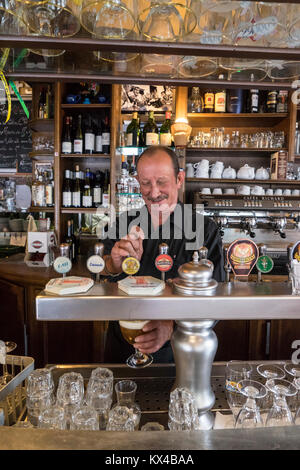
(160, 179)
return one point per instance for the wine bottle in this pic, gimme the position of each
(87, 199)
(76, 193)
(89, 137)
(42, 112)
(106, 190)
(165, 131)
(97, 190)
(49, 189)
(99, 145)
(132, 131)
(150, 131)
(70, 240)
(254, 100)
(78, 141)
(67, 190)
(66, 140)
(220, 99)
(106, 137)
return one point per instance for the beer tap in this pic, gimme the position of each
(248, 225)
(222, 222)
(95, 263)
(227, 266)
(278, 226)
(163, 261)
(62, 263)
(289, 256)
(262, 252)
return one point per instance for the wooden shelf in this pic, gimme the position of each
(234, 149)
(15, 175)
(238, 181)
(85, 155)
(238, 116)
(41, 155)
(41, 209)
(85, 106)
(82, 210)
(42, 125)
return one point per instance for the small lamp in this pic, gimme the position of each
(181, 132)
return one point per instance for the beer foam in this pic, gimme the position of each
(133, 325)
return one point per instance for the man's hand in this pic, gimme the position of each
(157, 333)
(131, 245)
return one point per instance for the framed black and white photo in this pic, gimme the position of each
(147, 98)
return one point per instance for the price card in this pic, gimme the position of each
(95, 264)
(163, 262)
(62, 265)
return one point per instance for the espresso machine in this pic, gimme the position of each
(271, 221)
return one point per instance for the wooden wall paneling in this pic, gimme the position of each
(283, 334)
(258, 340)
(35, 329)
(12, 316)
(233, 340)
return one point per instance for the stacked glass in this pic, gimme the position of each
(183, 413)
(99, 394)
(125, 391)
(70, 394)
(39, 393)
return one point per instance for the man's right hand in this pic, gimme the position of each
(131, 245)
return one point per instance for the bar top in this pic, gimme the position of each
(230, 301)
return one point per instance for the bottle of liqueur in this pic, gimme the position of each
(132, 132)
(272, 101)
(50, 102)
(99, 145)
(209, 101)
(87, 198)
(42, 111)
(106, 190)
(70, 240)
(97, 190)
(66, 146)
(106, 137)
(67, 190)
(76, 193)
(40, 192)
(150, 131)
(165, 131)
(196, 103)
(254, 100)
(49, 199)
(78, 141)
(89, 137)
(220, 99)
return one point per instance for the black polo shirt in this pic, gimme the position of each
(117, 349)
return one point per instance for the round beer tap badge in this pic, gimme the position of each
(242, 256)
(163, 262)
(130, 265)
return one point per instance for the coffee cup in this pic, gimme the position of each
(278, 192)
(296, 192)
(217, 191)
(189, 170)
(287, 192)
(229, 191)
(205, 191)
(269, 192)
(73, 99)
(244, 190)
(258, 191)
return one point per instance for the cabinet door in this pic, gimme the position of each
(283, 334)
(12, 315)
(233, 340)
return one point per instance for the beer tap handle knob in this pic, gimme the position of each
(99, 249)
(163, 249)
(62, 264)
(203, 252)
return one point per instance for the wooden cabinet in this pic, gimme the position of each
(12, 316)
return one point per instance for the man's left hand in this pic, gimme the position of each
(156, 334)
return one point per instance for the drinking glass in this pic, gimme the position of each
(293, 370)
(280, 414)
(99, 393)
(52, 418)
(39, 393)
(70, 393)
(130, 330)
(183, 413)
(296, 382)
(249, 416)
(85, 418)
(120, 419)
(152, 426)
(270, 371)
(125, 391)
(234, 373)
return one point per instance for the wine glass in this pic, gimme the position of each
(235, 372)
(280, 414)
(249, 416)
(270, 371)
(130, 330)
(296, 382)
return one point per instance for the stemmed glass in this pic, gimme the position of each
(249, 416)
(296, 382)
(270, 371)
(280, 414)
(130, 330)
(235, 372)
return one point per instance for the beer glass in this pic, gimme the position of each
(130, 330)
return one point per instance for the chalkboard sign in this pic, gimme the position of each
(15, 139)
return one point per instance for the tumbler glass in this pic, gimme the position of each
(120, 419)
(70, 393)
(85, 418)
(99, 393)
(125, 391)
(152, 426)
(52, 418)
(183, 413)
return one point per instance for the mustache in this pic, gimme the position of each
(158, 199)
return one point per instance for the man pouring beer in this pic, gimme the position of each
(160, 180)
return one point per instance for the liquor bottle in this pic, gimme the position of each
(89, 137)
(253, 100)
(150, 131)
(40, 192)
(106, 137)
(235, 101)
(97, 190)
(297, 139)
(42, 112)
(87, 198)
(106, 190)
(49, 190)
(78, 141)
(196, 103)
(220, 99)
(76, 240)
(70, 239)
(282, 102)
(99, 145)
(67, 190)
(209, 101)
(76, 193)
(50, 102)
(272, 101)
(66, 139)
(141, 142)
(165, 131)
(132, 131)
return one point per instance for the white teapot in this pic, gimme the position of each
(246, 172)
(229, 173)
(262, 174)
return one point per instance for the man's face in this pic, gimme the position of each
(158, 184)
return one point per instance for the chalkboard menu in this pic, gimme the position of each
(15, 139)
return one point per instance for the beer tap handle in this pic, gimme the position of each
(163, 261)
(227, 266)
(99, 249)
(62, 263)
(203, 252)
(96, 263)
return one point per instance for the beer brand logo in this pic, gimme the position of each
(242, 256)
(37, 244)
(163, 263)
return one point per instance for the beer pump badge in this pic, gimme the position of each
(95, 264)
(242, 256)
(62, 265)
(295, 253)
(264, 264)
(163, 262)
(130, 265)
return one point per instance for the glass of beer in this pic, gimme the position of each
(130, 329)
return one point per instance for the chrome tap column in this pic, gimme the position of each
(195, 343)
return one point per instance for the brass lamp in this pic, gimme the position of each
(181, 132)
